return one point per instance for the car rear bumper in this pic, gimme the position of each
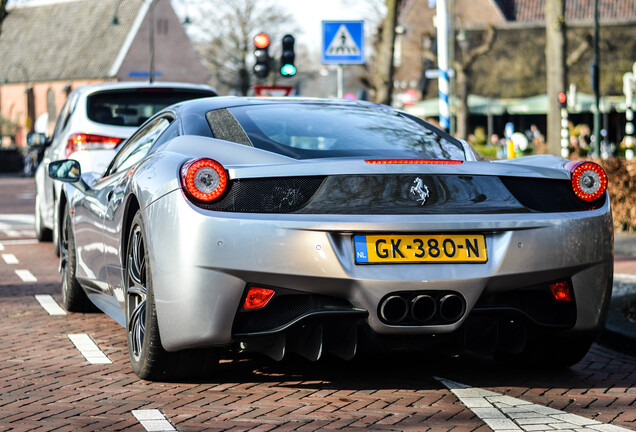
(202, 262)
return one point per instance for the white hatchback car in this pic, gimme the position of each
(97, 118)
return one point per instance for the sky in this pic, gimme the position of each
(310, 14)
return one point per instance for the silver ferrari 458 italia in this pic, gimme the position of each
(332, 227)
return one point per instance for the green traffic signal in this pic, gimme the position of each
(288, 70)
(287, 57)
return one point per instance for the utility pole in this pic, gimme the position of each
(151, 71)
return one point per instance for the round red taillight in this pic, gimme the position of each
(589, 180)
(204, 179)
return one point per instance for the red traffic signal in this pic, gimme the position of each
(563, 100)
(261, 55)
(261, 41)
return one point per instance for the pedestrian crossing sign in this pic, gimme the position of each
(342, 42)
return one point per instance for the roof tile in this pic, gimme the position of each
(66, 40)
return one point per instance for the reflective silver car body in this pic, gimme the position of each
(202, 260)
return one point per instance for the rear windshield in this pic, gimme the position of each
(305, 131)
(132, 107)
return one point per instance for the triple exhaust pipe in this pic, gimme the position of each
(418, 309)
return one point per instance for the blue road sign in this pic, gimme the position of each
(342, 42)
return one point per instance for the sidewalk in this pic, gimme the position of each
(620, 330)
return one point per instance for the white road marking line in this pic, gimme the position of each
(153, 420)
(26, 276)
(89, 349)
(10, 259)
(623, 277)
(49, 304)
(505, 413)
(16, 219)
(21, 242)
(1, 247)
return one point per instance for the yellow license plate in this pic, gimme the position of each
(420, 248)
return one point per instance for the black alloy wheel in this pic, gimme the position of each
(136, 292)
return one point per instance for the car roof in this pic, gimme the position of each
(203, 105)
(209, 104)
(125, 85)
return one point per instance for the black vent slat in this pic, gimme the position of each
(267, 195)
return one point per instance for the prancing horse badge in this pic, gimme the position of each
(420, 190)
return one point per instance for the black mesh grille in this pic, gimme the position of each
(546, 195)
(267, 195)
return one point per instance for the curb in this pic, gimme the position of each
(619, 332)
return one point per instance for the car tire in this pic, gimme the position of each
(42, 233)
(149, 360)
(74, 299)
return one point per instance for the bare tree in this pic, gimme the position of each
(556, 80)
(383, 77)
(462, 80)
(227, 32)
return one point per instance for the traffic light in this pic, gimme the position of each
(563, 100)
(287, 57)
(261, 52)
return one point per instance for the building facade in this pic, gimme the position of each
(49, 49)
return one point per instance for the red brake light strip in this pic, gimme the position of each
(414, 161)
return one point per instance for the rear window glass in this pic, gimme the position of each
(132, 107)
(306, 131)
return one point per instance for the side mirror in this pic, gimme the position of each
(68, 171)
(36, 139)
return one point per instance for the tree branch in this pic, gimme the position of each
(483, 48)
(576, 55)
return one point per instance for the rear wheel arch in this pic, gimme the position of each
(132, 206)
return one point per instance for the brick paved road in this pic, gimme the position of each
(46, 384)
